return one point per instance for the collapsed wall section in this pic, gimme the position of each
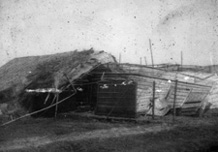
(44, 72)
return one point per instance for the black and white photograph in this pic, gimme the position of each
(108, 75)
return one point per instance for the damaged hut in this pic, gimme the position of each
(31, 84)
(93, 81)
(188, 96)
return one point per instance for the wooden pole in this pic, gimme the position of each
(212, 63)
(120, 58)
(174, 101)
(152, 60)
(181, 60)
(145, 61)
(56, 107)
(153, 100)
(140, 61)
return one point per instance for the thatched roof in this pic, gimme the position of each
(46, 71)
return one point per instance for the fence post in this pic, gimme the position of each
(153, 100)
(56, 107)
(174, 101)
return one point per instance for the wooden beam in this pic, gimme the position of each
(151, 77)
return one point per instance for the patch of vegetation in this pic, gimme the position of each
(180, 139)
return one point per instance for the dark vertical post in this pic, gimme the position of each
(90, 95)
(174, 101)
(120, 58)
(56, 107)
(145, 61)
(152, 60)
(153, 100)
(210, 69)
(181, 60)
(136, 112)
(214, 69)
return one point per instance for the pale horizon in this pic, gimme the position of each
(42, 27)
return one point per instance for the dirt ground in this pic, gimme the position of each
(81, 134)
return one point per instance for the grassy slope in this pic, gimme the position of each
(177, 140)
(191, 134)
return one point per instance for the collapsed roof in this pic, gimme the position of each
(48, 71)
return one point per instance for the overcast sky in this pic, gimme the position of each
(36, 27)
